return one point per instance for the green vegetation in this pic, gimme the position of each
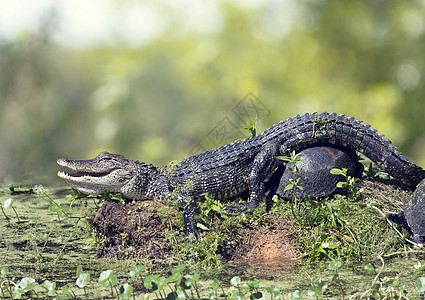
(251, 127)
(185, 286)
(343, 232)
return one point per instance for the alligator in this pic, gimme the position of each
(229, 170)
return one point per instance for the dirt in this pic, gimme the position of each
(140, 229)
(134, 229)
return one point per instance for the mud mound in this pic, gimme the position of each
(134, 229)
(138, 230)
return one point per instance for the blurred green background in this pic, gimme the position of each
(157, 98)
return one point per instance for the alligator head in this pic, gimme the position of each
(106, 173)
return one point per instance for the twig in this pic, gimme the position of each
(380, 271)
(308, 275)
(392, 226)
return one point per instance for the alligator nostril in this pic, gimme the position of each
(62, 160)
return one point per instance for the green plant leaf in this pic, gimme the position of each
(114, 280)
(7, 190)
(335, 265)
(26, 284)
(215, 284)
(180, 294)
(105, 276)
(420, 284)
(329, 245)
(8, 203)
(341, 184)
(149, 282)
(145, 297)
(288, 187)
(244, 289)
(316, 290)
(235, 281)
(55, 207)
(175, 277)
(313, 291)
(79, 271)
(189, 280)
(126, 290)
(323, 286)
(160, 282)
(336, 171)
(17, 293)
(254, 284)
(65, 289)
(284, 158)
(417, 271)
(370, 269)
(297, 295)
(136, 270)
(83, 280)
(178, 269)
(50, 286)
(273, 290)
(202, 226)
(195, 278)
(3, 272)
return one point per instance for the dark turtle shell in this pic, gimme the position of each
(414, 213)
(316, 178)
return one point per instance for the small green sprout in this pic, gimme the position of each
(349, 183)
(7, 205)
(294, 160)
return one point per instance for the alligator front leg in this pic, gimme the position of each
(263, 164)
(189, 220)
(189, 214)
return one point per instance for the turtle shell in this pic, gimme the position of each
(316, 178)
(414, 213)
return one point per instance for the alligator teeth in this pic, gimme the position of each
(62, 174)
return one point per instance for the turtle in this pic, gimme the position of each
(412, 217)
(315, 174)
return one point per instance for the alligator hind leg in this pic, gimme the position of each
(263, 164)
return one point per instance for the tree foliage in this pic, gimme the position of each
(155, 102)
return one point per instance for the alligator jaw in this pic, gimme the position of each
(82, 175)
(91, 179)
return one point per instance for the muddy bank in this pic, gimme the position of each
(141, 230)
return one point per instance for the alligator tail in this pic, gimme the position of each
(301, 131)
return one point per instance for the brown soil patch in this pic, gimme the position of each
(138, 230)
(134, 229)
(272, 246)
